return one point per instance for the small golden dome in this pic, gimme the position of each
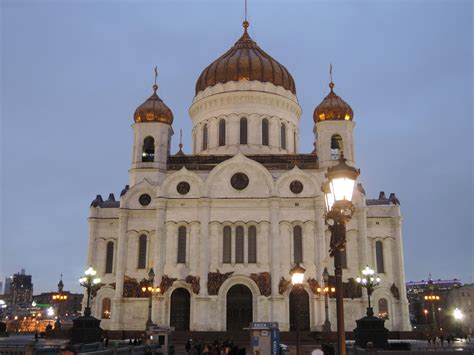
(153, 110)
(245, 61)
(333, 108)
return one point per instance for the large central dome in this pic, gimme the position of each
(245, 61)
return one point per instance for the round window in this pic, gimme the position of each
(183, 187)
(296, 186)
(239, 181)
(144, 199)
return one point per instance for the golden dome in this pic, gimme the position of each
(245, 61)
(153, 110)
(333, 108)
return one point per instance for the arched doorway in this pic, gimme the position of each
(301, 298)
(239, 307)
(180, 309)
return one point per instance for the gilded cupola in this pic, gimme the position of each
(245, 61)
(333, 108)
(153, 109)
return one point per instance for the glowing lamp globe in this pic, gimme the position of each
(341, 183)
(297, 274)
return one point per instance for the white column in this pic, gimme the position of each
(116, 322)
(159, 254)
(361, 214)
(275, 243)
(263, 245)
(399, 271)
(91, 255)
(214, 245)
(321, 249)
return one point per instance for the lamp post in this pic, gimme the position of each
(458, 317)
(432, 299)
(150, 290)
(369, 281)
(90, 282)
(326, 290)
(338, 193)
(297, 278)
(370, 328)
(86, 329)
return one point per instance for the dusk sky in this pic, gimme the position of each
(73, 72)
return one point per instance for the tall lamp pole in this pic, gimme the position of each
(90, 282)
(327, 323)
(369, 281)
(338, 192)
(150, 290)
(297, 278)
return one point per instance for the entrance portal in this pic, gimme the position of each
(301, 298)
(180, 309)
(239, 307)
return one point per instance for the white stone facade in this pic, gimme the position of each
(266, 205)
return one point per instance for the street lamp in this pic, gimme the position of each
(431, 298)
(297, 279)
(90, 282)
(150, 290)
(458, 317)
(369, 282)
(326, 290)
(338, 192)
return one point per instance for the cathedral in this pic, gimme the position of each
(222, 227)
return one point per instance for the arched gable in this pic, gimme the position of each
(218, 182)
(169, 187)
(311, 184)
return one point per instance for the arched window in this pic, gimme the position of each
(336, 146)
(106, 308)
(243, 130)
(283, 136)
(383, 308)
(297, 244)
(265, 133)
(148, 150)
(239, 244)
(204, 137)
(142, 251)
(109, 258)
(222, 132)
(252, 245)
(182, 245)
(379, 256)
(227, 247)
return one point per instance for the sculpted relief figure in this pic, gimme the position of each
(264, 282)
(215, 281)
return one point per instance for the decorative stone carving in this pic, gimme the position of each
(296, 187)
(194, 281)
(395, 292)
(183, 187)
(133, 288)
(283, 285)
(215, 281)
(264, 282)
(239, 181)
(314, 285)
(166, 283)
(350, 289)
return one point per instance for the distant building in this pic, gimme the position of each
(67, 307)
(21, 293)
(463, 299)
(1, 288)
(421, 310)
(8, 285)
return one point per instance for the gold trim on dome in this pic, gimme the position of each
(333, 108)
(153, 110)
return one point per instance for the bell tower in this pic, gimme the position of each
(333, 128)
(152, 133)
